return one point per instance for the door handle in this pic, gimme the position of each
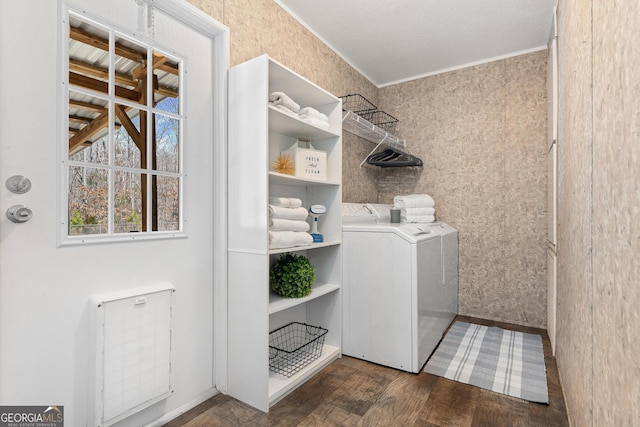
(19, 214)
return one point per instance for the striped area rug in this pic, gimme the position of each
(496, 359)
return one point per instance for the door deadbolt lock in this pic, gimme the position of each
(18, 184)
(19, 214)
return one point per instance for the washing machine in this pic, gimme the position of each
(400, 286)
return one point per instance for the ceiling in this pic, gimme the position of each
(391, 41)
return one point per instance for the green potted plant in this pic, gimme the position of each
(292, 276)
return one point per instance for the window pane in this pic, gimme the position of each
(97, 152)
(127, 138)
(168, 203)
(88, 131)
(167, 83)
(167, 144)
(88, 56)
(130, 70)
(88, 201)
(127, 202)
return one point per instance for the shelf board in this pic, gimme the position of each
(278, 303)
(305, 93)
(303, 248)
(280, 386)
(284, 179)
(353, 123)
(291, 125)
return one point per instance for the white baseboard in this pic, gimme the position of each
(184, 408)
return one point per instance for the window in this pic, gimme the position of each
(122, 167)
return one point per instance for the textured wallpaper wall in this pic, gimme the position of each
(599, 194)
(480, 132)
(616, 213)
(574, 323)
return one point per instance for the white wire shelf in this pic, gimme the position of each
(353, 123)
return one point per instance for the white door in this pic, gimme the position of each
(47, 278)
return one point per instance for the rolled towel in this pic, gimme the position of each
(418, 211)
(277, 224)
(288, 213)
(281, 98)
(414, 201)
(420, 218)
(285, 202)
(312, 113)
(287, 239)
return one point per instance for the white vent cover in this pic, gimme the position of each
(133, 351)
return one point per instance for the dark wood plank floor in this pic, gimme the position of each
(352, 392)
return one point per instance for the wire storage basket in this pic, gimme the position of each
(356, 103)
(381, 119)
(294, 346)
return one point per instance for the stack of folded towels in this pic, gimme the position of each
(283, 102)
(287, 223)
(416, 207)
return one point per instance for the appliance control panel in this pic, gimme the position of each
(365, 212)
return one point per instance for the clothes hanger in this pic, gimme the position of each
(393, 158)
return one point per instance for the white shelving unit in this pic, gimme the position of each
(257, 135)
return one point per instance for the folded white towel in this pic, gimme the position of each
(316, 122)
(281, 98)
(285, 202)
(414, 201)
(418, 211)
(285, 110)
(287, 239)
(420, 218)
(288, 213)
(312, 113)
(278, 224)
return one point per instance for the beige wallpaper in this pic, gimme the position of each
(574, 322)
(616, 213)
(481, 133)
(599, 236)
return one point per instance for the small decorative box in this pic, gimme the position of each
(309, 162)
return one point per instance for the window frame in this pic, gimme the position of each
(65, 164)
